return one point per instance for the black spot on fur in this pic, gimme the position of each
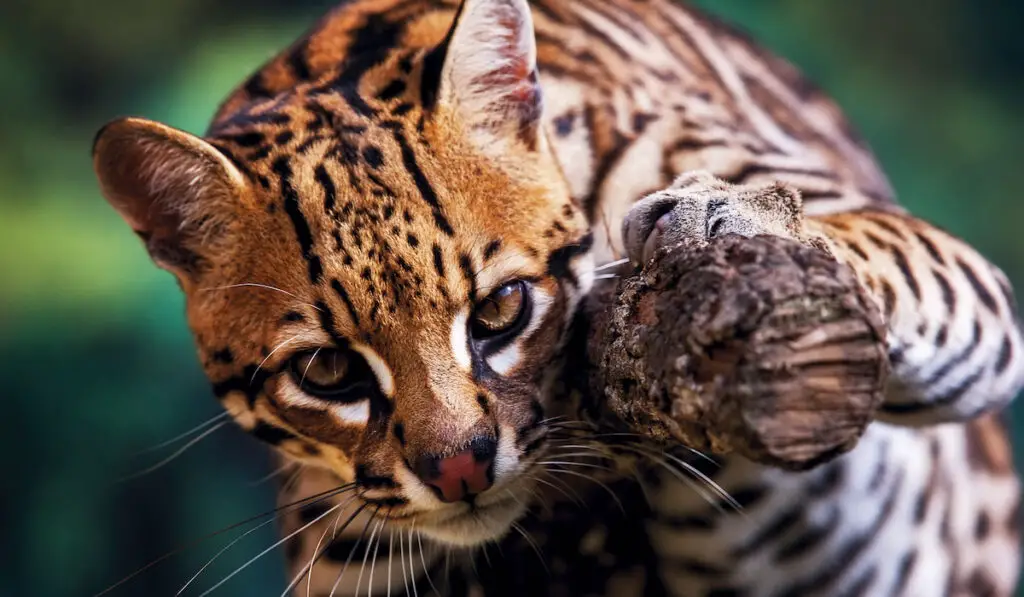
(482, 401)
(392, 90)
(491, 249)
(373, 156)
(271, 434)
(224, 355)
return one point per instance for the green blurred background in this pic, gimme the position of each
(95, 360)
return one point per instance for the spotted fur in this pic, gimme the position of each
(372, 185)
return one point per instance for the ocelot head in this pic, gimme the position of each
(380, 258)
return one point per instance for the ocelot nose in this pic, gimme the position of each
(461, 476)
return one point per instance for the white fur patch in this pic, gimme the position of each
(460, 340)
(357, 413)
(505, 360)
(505, 458)
(384, 377)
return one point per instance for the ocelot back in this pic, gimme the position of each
(384, 238)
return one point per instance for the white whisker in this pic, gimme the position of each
(185, 434)
(176, 453)
(412, 569)
(391, 551)
(611, 264)
(265, 287)
(268, 550)
(419, 539)
(276, 348)
(348, 560)
(308, 365)
(366, 554)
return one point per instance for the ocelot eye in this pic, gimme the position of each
(331, 374)
(502, 312)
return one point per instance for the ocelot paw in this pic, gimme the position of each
(699, 207)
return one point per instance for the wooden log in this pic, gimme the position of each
(763, 347)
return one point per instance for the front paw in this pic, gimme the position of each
(699, 207)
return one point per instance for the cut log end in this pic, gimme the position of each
(762, 347)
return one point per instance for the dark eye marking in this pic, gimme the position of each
(334, 375)
(558, 260)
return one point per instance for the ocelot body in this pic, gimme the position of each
(385, 237)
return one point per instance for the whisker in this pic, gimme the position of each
(412, 568)
(373, 563)
(270, 354)
(263, 286)
(690, 482)
(401, 555)
(307, 570)
(348, 560)
(723, 494)
(611, 264)
(582, 464)
(176, 453)
(391, 551)
(519, 529)
(575, 497)
(318, 554)
(366, 554)
(298, 466)
(183, 435)
(268, 550)
(308, 365)
(298, 503)
(592, 480)
(607, 277)
(419, 539)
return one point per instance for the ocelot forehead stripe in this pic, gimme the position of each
(426, 190)
(283, 169)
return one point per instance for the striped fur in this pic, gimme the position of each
(365, 189)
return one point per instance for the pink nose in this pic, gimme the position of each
(462, 476)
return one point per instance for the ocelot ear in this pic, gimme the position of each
(489, 75)
(175, 190)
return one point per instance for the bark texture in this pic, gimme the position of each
(762, 347)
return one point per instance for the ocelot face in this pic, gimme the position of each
(379, 270)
